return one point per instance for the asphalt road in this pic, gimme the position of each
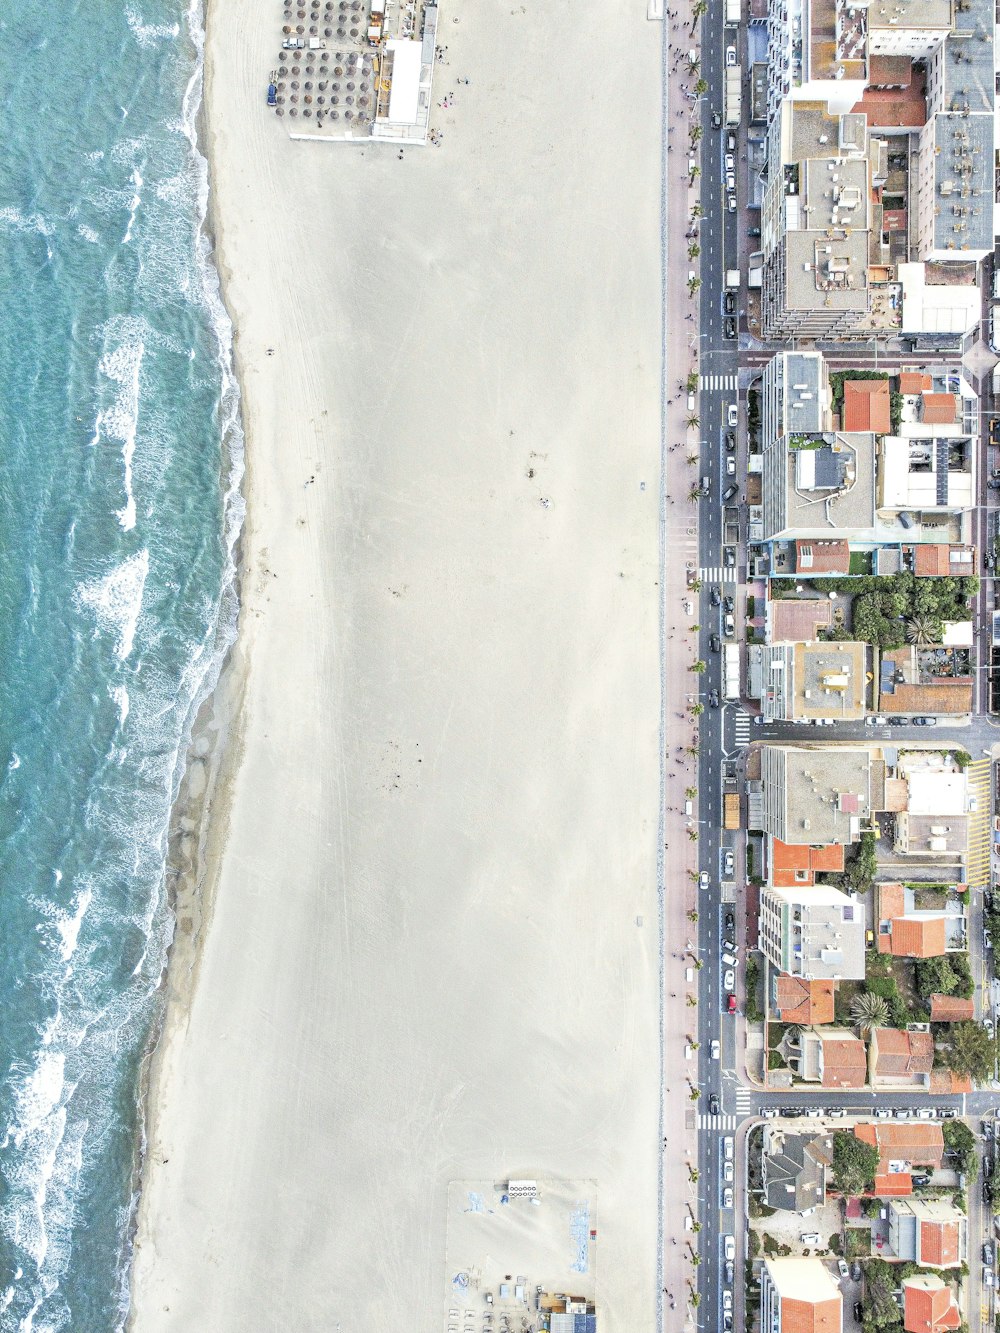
(723, 731)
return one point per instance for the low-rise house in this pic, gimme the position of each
(800, 863)
(802, 1002)
(951, 1009)
(929, 794)
(899, 1057)
(929, 1305)
(834, 1057)
(928, 1232)
(799, 1295)
(908, 932)
(794, 1168)
(930, 678)
(903, 1146)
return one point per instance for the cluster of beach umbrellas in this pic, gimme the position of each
(334, 18)
(319, 83)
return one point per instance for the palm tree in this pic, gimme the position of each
(693, 285)
(693, 876)
(692, 1004)
(695, 1299)
(693, 422)
(694, 64)
(697, 12)
(869, 1011)
(695, 1045)
(692, 750)
(697, 667)
(694, 1173)
(694, 494)
(699, 963)
(695, 171)
(697, 710)
(695, 1259)
(921, 630)
(692, 916)
(696, 585)
(701, 87)
(695, 133)
(696, 1227)
(694, 1094)
(689, 794)
(692, 382)
(696, 211)
(694, 250)
(693, 834)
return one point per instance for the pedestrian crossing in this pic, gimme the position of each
(744, 1101)
(977, 872)
(719, 382)
(717, 574)
(723, 1124)
(742, 729)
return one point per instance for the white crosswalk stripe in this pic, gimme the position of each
(742, 729)
(718, 382)
(725, 1124)
(717, 575)
(744, 1100)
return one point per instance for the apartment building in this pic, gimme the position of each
(816, 933)
(799, 1295)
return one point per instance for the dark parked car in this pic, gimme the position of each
(713, 1103)
(859, 1310)
(899, 721)
(729, 303)
(730, 1272)
(790, 1112)
(925, 721)
(730, 442)
(728, 605)
(988, 1253)
(729, 331)
(729, 492)
(715, 643)
(713, 699)
(987, 1191)
(729, 557)
(716, 121)
(753, 231)
(716, 597)
(855, 1271)
(730, 923)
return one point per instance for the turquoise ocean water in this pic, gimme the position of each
(119, 464)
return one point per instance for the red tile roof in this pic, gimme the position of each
(929, 1305)
(792, 865)
(804, 1002)
(940, 408)
(904, 1053)
(866, 405)
(914, 381)
(950, 1009)
(893, 1184)
(934, 560)
(918, 1144)
(845, 1062)
(909, 938)
(820, 1316)
(943, 1081)
(938, 1244)
(824, 556)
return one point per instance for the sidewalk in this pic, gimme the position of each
(680, 1147)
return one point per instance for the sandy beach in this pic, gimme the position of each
(432, 950)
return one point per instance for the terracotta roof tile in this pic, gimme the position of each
(912, 938)
(933, 560)
(866, 405)
(918, 1144)
(893, 1184)
(950, 1009)
(845, 1062)
(929, 1305)
(804, 1002)
(821, 1316)
(914, 381)
(938, 1245)
(940, 408)
(826, 556)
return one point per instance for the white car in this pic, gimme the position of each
(727, 1172)
(729, 1247)
(727, 1198)
(730, 56)
(730, 162)
(730, 180)
(883, 1113)
(716, 1050)
(732, 415)
(727, 1300)
(729, 980)
(876, 721)
(703, 880)
(731, 203)
(842, 1268)
(731, 472)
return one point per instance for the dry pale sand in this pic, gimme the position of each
(424, 962)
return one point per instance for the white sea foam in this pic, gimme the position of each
(68, 924)
(116, 600)
(122, 364)
(147, 34)
(17, 221)
(88, 234)
(120, 695)
(14, 762)
(134, 206)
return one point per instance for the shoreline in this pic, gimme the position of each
(199, 819)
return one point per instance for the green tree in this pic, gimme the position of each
(854, 1163)
(693, 422)
(959, 1138)
(698, 666)
(967, 1048)
(921, 630)
(695, 133)
(694, 250)
(697, 709)
(692, 285)
(870, 1011)
(701, 87)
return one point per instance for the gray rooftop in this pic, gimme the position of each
(794, 1169)
(827, 787)
(963, 174)
(803, 375)
(910, 14)
(833, 487)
